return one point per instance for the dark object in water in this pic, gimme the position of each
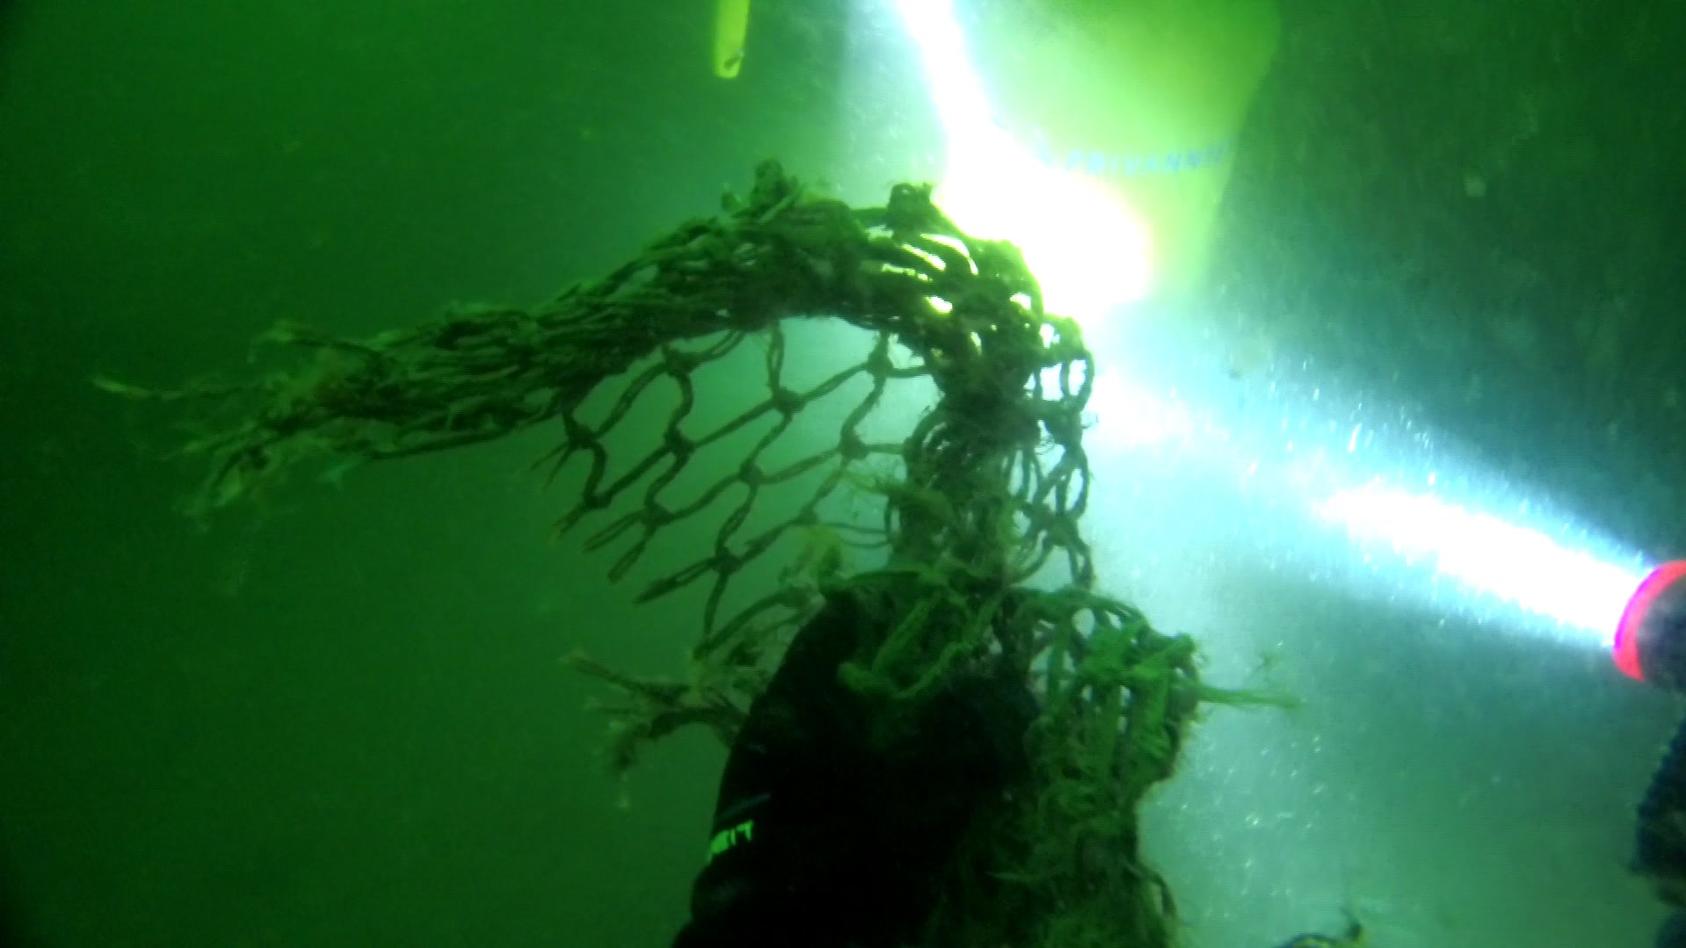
(1672, 934)
(1660, 841)
(1352, 938)
(834, 829)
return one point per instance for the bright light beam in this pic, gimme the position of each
(1092, 253)
(1513, 564)
(1354, 496)
(1088, 249)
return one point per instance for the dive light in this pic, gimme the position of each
(1650, 641)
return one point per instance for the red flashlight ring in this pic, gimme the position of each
(1626, 650)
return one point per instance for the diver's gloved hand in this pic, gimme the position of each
(823, 840)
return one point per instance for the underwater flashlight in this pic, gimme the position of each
(1650, 641)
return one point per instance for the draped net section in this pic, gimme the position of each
(978, 519)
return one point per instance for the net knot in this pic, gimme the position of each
(786, 402)
(677, 444)
(850, 446)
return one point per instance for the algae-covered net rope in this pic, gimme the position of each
(985, 564)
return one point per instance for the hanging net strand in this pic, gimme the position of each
(484, 372)
(985, 570)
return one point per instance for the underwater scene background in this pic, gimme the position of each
(1445, 243)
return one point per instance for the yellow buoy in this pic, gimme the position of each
(1112, 126)
(731, 26)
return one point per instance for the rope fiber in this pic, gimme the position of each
(984, 565)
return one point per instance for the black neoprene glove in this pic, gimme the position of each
(827, 838)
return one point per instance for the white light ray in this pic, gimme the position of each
(1511, 563)
(1427, 524)
(1090, 251)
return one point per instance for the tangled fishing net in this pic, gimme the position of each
(980, 506)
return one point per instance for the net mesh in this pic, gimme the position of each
(983, 560)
